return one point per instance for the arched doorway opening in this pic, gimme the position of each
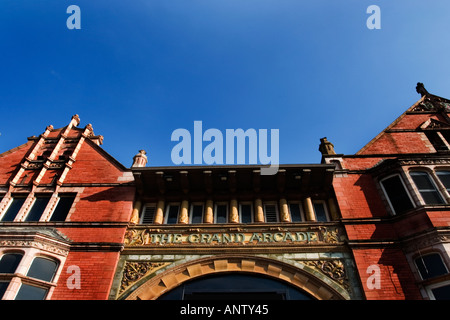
(235, 286)
(172, 277)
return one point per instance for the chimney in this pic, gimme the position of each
(140, 160)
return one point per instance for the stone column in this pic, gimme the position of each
(184, 212)
(135, 213)
(284, 211)
(209, 212)
(159, 215)
(259, 212)
(309, 210)
(234, 212)
(333, 209)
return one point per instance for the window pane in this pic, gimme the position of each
(148, 214)
(426, 188)
(442, 293)
(397, 195)
(62, 208)
(38, 208)
(319, 209)
(3, 287)
(27, 292)
(444, 176)
(197, 214)
(436, 141)
(270, 211)
(246, 213)
(430, 265)
(9, 262)
(422, 180)
(172, 216)
(13, 209)
(296, 216)
(431, 197)
(42, 269)
(221, 213)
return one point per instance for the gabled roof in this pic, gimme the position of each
(429, 105)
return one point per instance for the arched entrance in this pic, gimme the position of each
(235, 286)
(221, 265)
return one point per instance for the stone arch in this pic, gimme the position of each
(297, 277)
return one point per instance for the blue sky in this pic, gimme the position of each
(138, 70)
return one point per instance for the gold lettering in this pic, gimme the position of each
(278, 234)
(191, 236)
(255, 236)
(288, 235)
(215, 237)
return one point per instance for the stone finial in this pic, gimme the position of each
(76, 120)
(326, 147)
(140, 160)
(420, 88)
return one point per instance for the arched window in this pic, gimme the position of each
(8, 265)
(42, 269)
(396, 194)
(444, 176)
(9, 262)
(430, 266)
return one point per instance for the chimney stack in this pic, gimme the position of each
(140, 160)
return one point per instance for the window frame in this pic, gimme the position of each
(386, 195)
(430, 178)
(252, 212)
(6, 252)
(325, 207)
(40, 256)
(36, 282)
(35, 197)
(191, 212)
(10, 201)
(442, 170)
(55, 206)
(20, 276)
(299, 204)
(227, 211)
(166, 213)
(277, 211)
(149, 204)
(428, 254)
(429, 288)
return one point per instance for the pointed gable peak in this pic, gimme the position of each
(434, 124)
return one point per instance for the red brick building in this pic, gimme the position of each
(394, 199)
(65, 205)
(76, 224)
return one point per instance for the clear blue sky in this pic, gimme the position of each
(138, 70)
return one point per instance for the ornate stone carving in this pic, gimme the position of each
(329, 235)
(34, 244)
(333, 269)
(423, 162)
(136, 270)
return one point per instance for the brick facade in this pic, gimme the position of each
(69, 161)
(105, 228)
(377, 234)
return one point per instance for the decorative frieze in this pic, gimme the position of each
(136, 270)
(334, 269)
(308, 235)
